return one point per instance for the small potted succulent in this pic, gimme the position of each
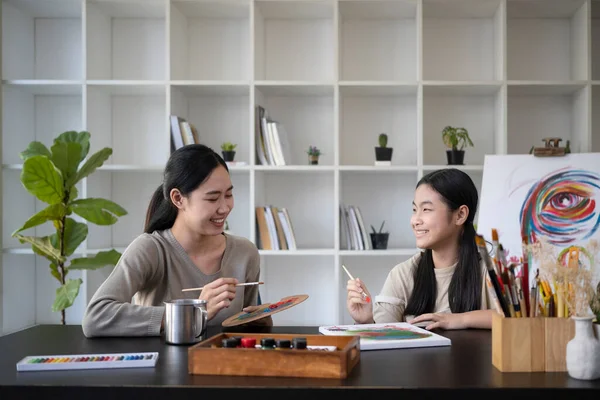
(383, 153)
(228, 151)
(379, 239)
(313, 155)
(456, 139)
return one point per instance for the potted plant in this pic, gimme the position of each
(379, 240)
(456, 139)
(313, 155)
(51, 176)
(228, 151)
(383, 153)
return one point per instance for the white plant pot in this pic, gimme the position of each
(583, 351)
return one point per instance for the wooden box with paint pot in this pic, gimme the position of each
(271, 354)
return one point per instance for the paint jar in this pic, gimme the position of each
(299, 343)
(248, 343)
(230, 343)
(284, 344)
(267, 343)
(185, 321)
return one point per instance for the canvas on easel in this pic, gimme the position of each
(398, 335)
(554, 198)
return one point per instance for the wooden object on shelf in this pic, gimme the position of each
(551, 148)
(530, 344)
(208, 358)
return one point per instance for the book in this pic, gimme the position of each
(399, 335)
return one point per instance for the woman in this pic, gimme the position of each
(443, 285)
(183, 246)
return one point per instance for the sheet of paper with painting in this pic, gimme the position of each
(399, 335)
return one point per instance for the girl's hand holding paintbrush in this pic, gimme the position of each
(358, 300)
(218, 295)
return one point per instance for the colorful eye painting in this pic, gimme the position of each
(563, 208)
(556, 199)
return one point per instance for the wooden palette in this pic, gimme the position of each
(265, 310)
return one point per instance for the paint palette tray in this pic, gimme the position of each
(323, 357)
(87, 361)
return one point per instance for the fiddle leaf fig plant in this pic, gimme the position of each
(51, 175)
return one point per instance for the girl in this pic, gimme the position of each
(183, 246)
(443, 285)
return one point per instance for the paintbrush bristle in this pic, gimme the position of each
(479, 240)
(494, 234)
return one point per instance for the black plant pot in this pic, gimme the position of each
(379, 240)
(228, 155)
(383, 153)
(455, 157)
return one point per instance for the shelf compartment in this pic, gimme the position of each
(240, 218)
(118, 187)
(37, 112)
(294, 40)
(595, 119)
(309, 200)
(210, 40)
(306, 274)
(18, 275)
(477, 108)
(132, 121)
(219, 113)
(380, 197)
(306, 116)
(373, 271)
(367, 111)
(49, 44)
(595, 37)
(378, 40)
(126, 40)
(463, 40)
(539, 111)
(547, 40)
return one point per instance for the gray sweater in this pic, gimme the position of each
(155, 268)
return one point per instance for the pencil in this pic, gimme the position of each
(239, 284)
(364, 295)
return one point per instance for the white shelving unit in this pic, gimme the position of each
(334, 73)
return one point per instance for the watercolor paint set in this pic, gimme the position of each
(289, 355)
(87, 361)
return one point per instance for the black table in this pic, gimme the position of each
(460, 369)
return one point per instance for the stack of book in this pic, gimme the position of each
(353, 229)
(182, 133)
(274, 229)
(272, 144)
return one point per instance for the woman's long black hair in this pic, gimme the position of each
(464, 294)
(186, 169)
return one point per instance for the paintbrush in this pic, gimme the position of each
(364, 295)
(239, 284)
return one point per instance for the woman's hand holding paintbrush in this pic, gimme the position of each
(358, 300)
(218, 295)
